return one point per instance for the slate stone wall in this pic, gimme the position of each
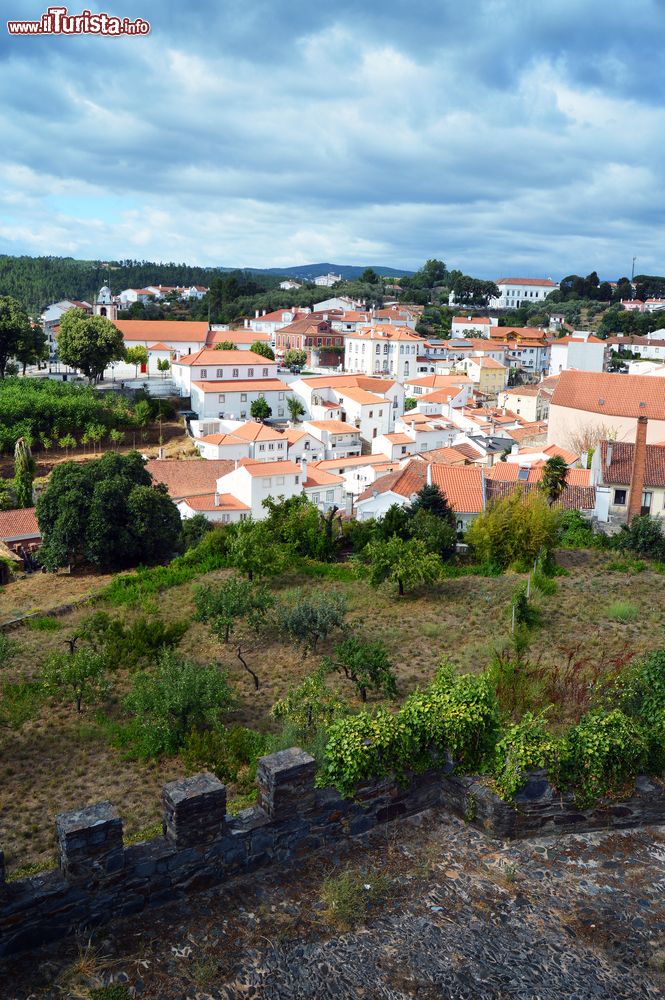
(100, 880)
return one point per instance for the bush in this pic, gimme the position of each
(643, 536)
(312, 617)
(599, 755)
(361, 747)
(515, 529)
(524, 746)
(167, 705)
(226, 752)
(42, 623)
(128, 646)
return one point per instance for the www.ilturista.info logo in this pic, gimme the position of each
(57, 21)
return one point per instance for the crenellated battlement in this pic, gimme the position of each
(99, 879)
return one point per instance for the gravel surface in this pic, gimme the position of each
(450, 914)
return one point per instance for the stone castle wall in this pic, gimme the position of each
(99, 879)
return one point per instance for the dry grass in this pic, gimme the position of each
(58, 761)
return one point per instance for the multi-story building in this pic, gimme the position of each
(515, 291)
(383, 349)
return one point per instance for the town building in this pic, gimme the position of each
(582, 351)
(383, 349)
(590, 406)
(515, 291)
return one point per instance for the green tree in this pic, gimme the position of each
(309, 707)
(163, 366)
(295, 408)
(515, 529)
(366, 664)
(438, 535)
(312, 616)
(252, 550)
(296, 522)
(222, 605)
(15, 330)
(410, 403)
(263, 349)
(80, 675)
(106, 512)
(68, 442)
(370, 277)
(24, 473)
(406, 564)
(177, 698)
(116, 436)
(260, 409)
(31, 347)
(194, 529)
(136, 356)
(7, 499)
(225, 345)
(553, 481)
(295, 358)
(89, 343)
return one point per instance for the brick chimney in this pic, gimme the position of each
(639, 467)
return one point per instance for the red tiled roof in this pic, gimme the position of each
(508, 472)
(612, 394)
(18, 524)
(166, 331)
(212, 501)
(212, 357)
(572, 498)
(188, 477)
(619, 472)
(242, 385)
(462, 484)
(334, 426)
(255, 468)
(527, 281)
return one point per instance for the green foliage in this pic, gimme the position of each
(260, 410)
(8, 650)
(295, 408)
(264, 350)
(311, 616)
(599, 755)
(348, 896)
(15, 328)
(230, 753)
(517, 528)
(410, 403)
(89, 343)
(42, 623)
(193, 530)
(309, 708)
(129, 646)
(404, 564)
(136, 356)
(437, 534)
(575, 532)
(19, 702)
(525, 612)
(524, 746)
(643, 536)
(7, 498)
(252, 550)
(134, 588)
(106, 512)
(297, 523)
(179, 696)
(80, 676)
(295, 358)
(222, 605)
(366, 664)
(622, 611)
(553, 481)
(24, 473)
(361, 747)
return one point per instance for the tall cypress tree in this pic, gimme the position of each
(24, 473)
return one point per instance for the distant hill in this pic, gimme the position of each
(348, 271)
(37, 281)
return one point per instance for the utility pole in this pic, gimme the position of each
(632, 273)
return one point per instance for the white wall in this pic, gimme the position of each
(236, 405)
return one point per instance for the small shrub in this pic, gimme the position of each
(226, 752)
(349, 895)
(524, 746)
(20, 702)
(43, 623)
(622, 611)
(8, 649)
(599, 755)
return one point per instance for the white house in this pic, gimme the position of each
(302, 444)
(130, 295)
(465, 326)
(290, 284)
(253, 482)
(463, 486)
(528, 401)
(357, 473)
(339, 439)
(370, 403)
(230, 439)
(327, 280)
(212, 364)
(583, 352)
(232, 400)
(322, 488)
(383, 349)
(515, 291)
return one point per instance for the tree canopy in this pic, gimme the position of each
(89, 343)
(106, 512)
(15, 330)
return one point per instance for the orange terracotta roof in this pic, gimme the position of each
(351, 461)
(399, 438)
(242, 385)
(221, 439)
(382, 331)
(166, 331)
(242, 336)
(214, 358)
(612, 394)
(527, 281)
(370, 382)
(255, 431)
(361, 396)
(159, 347)
(508, 472)
(188, 477)
(212, 501)
(462, 486)
(577, 340)
(316, 476)
(254, 468)
(16, 525)
(439, 381)
(619, 472)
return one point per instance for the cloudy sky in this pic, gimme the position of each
(503, 137)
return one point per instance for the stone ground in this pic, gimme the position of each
(450, 914)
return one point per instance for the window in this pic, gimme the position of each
(279, 480)
(221, 398)
(378, 348)
(371, 413)
(404, 449)
(280, 413)
(297, 480)
(220, 373)
(262, 447)
(271, 447)
(266, 482)
(204, 373)
(265, 372)
(235, 372)
(280, 396)
(316, 498)
(380, 413)
(250, 373)
(307, 449)
(243, 397)
(243, 517)
(330, 496)
(243, 414)
(226, 518)
(619, 498)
